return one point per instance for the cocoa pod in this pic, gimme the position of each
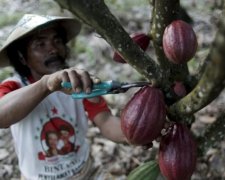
(179, 89)
(141, 39)
(147, 171)
(144, 115)
(179, 42)
(177, 153)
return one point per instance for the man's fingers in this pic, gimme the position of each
(95, 79)
(65, 77)
(80, 80)
(74, 79)
(86, 81)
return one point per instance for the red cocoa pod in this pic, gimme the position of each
(179, 42)
(141, 39)
(179, 89)
(177, 153)
(144, 116)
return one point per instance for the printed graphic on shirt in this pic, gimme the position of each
(58, 138)
(62, 151)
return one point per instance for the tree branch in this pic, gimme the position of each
(96, 14)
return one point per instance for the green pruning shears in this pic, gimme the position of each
(105, 87)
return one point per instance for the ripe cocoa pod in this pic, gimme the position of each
(146, 171)
(177, 153)
(143, 117)
(141, 39)
(179, 89)
(179, 42)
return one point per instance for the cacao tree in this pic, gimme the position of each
(184, 94)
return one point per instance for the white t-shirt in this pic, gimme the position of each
(51, 141)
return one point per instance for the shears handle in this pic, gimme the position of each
(102, 85)
(94, 93)
(98, 90)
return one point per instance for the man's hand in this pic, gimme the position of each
(80, 80)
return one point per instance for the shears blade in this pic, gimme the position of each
(105, 87)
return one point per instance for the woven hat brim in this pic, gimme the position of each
(71, 26)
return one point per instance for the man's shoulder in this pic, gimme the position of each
(14, 77)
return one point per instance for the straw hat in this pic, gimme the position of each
(30, 23)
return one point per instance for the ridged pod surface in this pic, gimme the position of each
(144, 116)
(179, 42)
(141, 39)
(177, 153)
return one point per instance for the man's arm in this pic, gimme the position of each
(109, 126)
(17, 104)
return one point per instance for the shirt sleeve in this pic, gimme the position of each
(93, 109)
(7, 87)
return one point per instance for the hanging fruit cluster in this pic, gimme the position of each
(144, 116)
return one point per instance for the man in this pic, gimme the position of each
(33, 102)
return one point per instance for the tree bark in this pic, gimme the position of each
(97, 15)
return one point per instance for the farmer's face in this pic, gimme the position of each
(46, 53)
